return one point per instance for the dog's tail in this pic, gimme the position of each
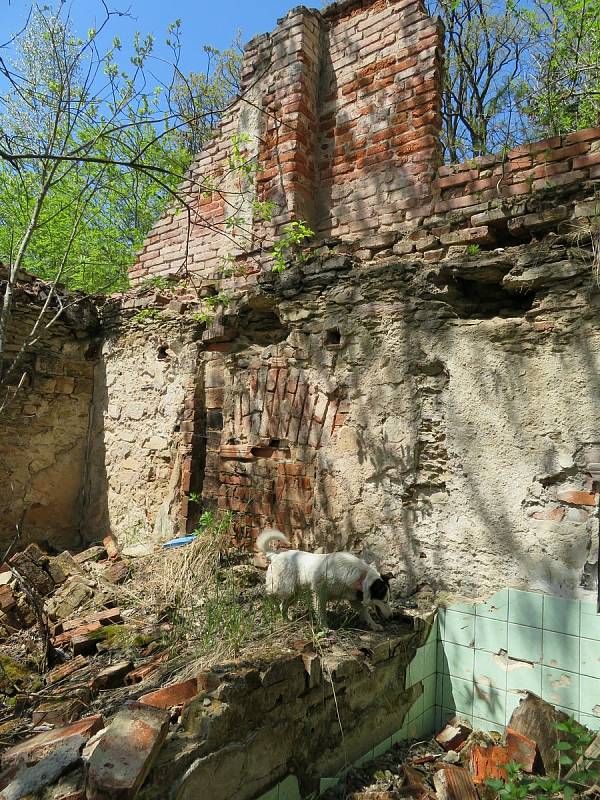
(266, 537)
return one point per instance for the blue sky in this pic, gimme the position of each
(203, 21)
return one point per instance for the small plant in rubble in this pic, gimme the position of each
(288, 246)
(576, 771)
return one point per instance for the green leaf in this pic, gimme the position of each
(565, 760)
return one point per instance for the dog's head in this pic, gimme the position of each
(377, 594)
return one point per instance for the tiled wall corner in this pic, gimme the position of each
(490, 653)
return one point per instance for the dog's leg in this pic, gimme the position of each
(361, 609)
(285, 605)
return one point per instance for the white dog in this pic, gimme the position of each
(330, 576)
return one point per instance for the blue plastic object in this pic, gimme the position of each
(180, 542)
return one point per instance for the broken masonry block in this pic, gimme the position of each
(126, 752)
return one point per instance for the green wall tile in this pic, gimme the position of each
(490, 670)
(429, 686)
(561, 651)
(327, 783)
(513, 699)
(590, 695)
(494, 608)
(458, 661)
(368, 756)
(489, 704)
(272, 794)
(416, 709)
(525, 608)
(382, 747)
(524, 677)
(463, 608)
(449, 714)
(490, 634)
(561, 615)
(591, 722)
(429, 659)
(561, 688)
(524, 642)
(486, 725)
(589, 657)
(401, 735)
(429, 727)
(416, 669)
(458, 694)
(590, 623)
(458, 628)
(289, 789)
(433, 635)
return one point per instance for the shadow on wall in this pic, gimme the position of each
(487, 490)
(95, 517)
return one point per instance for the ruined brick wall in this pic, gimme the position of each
(44, 428)
(341, 110)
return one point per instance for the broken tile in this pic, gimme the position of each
(454, 783)
(58, 712)
(170, 696)
(30, 779)
(138, 675)
(453, 736)
(40, 746)
(125, 754)
(536, 719)
(30, 564)
(7, 598)
(64, 670)
(112, 676)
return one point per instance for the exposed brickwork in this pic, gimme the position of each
(341, 110)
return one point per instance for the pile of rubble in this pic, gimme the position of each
(459, 762)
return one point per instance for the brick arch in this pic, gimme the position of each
(261, 463)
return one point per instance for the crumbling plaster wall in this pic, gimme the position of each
(137, 447)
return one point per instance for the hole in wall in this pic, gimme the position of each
(332, 337)
(162, 353)
(93, 350)
(477, 300)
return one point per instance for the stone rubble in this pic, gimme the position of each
(107, 726)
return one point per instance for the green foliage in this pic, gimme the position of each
(158, 282)
(211, 524)
(146, 314)
(101, 148)
(293, 237)
(572, 742)
(212, 303)
(563, 92)
(473, 249)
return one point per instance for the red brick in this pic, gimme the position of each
(585, 135)
(112, 546)
(137, 675)
(7, 598)
(578, 498)
(586, 161)
(125, 754)
(34, 750)
(555, 514)
(170, 696)
(521, 749)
